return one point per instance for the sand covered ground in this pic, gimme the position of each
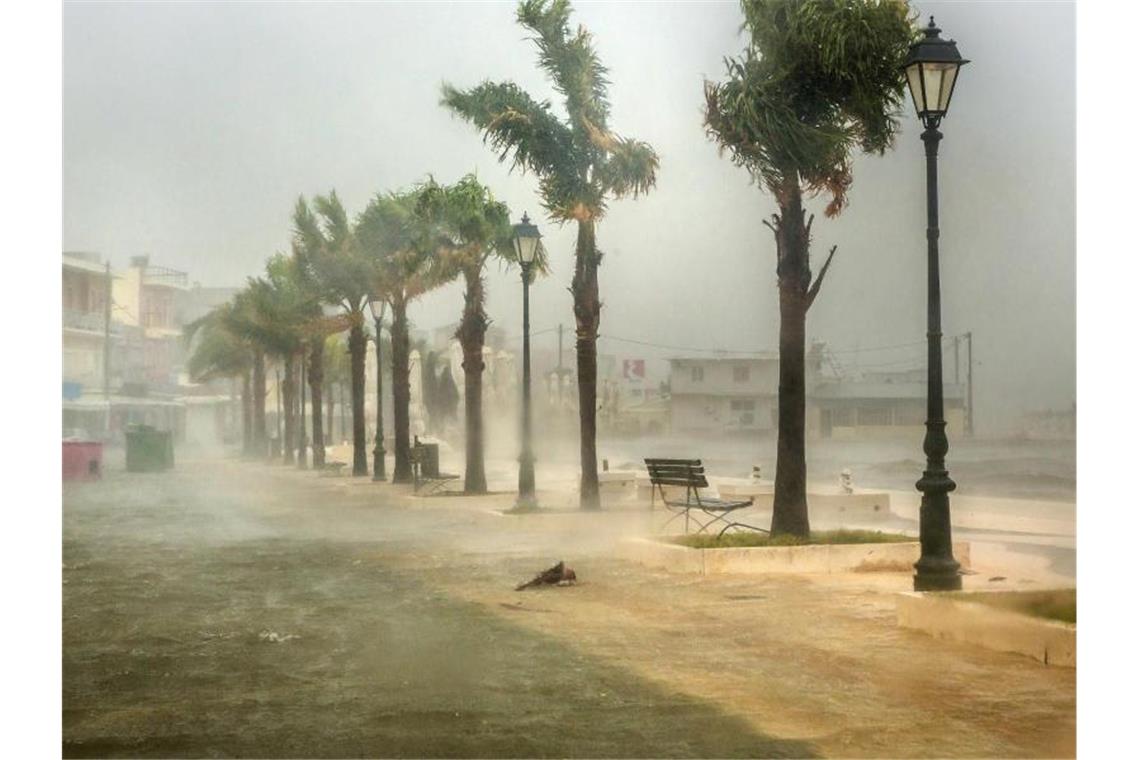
(240, 609)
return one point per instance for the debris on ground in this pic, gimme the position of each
(559, 575)
(276, 637)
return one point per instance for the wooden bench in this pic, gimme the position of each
(425, 470)
(691, 474)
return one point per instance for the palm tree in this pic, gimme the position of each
(326, 246)
(477, 228)
(580, 163)
(398, 233)
(217, 352)
(818, 80)
(281, 311)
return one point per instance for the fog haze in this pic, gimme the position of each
(190, 130)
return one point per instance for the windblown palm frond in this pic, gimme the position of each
(579, 162)
(215, 350)
(819, 79)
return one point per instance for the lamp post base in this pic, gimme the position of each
(928, 580)
(379, 475)
(937, 573)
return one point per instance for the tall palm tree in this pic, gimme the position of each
(239, 320)
(326, 246)
(580, 163)
(281, 313)
(818, 80)
(217, 352)
(477, 228)
(399, 234)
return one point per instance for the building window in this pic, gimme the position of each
(740, 374)
(910, 415)
(743, 405)
(697, 374)
(869, 415)
(841, 417)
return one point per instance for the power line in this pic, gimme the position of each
(681, 348)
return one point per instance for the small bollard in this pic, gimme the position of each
(605, 465)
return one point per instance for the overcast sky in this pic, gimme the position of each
(191, 128)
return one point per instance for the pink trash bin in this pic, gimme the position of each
(82, 460)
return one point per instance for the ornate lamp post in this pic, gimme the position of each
(526, 237)
(931, 71)
(377, 305)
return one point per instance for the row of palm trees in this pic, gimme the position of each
(401, 246)
(817, 81)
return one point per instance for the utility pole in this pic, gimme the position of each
(970, 384)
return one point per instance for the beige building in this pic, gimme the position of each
(881, 405)
(148, 297)
(84, 320)
(728, 395)
(722, 395)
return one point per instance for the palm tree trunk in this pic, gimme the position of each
(472, 334)
(260, 440)
(357, 348)
(288, 392)
(316, 380)
(246, 414)
(587, 313)
(789, 505)
(401, 394)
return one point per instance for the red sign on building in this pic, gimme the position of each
(633, 369)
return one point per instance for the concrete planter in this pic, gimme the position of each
(835, 508)
(1048, 641)
(758, 560)
(617, 484)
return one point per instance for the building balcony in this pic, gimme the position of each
(165, 277)
(87, 321)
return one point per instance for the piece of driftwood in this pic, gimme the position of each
(557, 575)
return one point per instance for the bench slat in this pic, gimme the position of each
(655, 473)
(697, 482)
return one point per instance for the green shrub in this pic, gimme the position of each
(1051, 605)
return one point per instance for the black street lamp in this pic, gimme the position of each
(931, 72)
(379, 473)
(526, 237)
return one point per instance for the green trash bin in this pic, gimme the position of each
(149, 450)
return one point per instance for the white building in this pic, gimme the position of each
(721, 395)
(727, 395)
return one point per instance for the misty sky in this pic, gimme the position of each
(191, 128)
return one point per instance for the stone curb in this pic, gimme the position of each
(810, 559)
(1049, 641)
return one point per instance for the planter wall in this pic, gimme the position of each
(1048, 641)
(812, 558)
